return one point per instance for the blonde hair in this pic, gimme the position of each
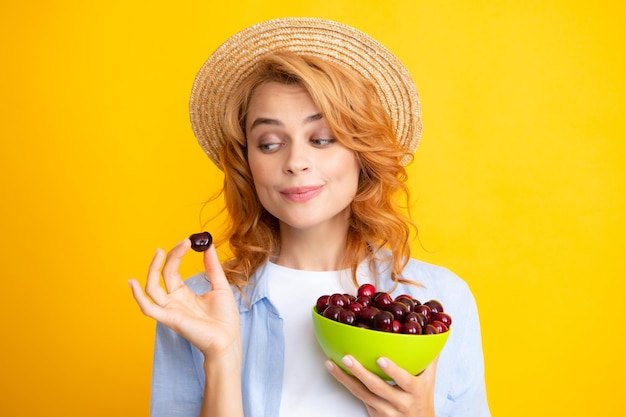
(357, 118)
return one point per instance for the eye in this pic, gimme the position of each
(321, 143)
(269, 147)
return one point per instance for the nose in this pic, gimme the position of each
(298, 160)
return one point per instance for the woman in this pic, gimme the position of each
(312, 123)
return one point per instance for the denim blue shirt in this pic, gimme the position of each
(178, 375)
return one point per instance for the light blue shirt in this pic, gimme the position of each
(178, 375)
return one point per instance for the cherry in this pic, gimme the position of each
(201, 241)
(396, 326)
(407, 300)
(364, 300)
(398, 309)
(346, 316)
(355, 307)
(338, 300)
(429, 329)
(424, 309)
(322, 303)
(442, 317)
(415, 318)
(411, 327)
(435, 306)
(366, 290)
(332, 312)
(366, 316)
(383, 320)
(441, 328)
(382, 300)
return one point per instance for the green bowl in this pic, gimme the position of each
(411, 352)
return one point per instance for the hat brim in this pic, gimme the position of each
(234, 60)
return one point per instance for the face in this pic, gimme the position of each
(302, 174)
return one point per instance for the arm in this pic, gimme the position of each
(210, 322)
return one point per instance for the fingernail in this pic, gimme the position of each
(346, 360)
(329, 365)
(382, 362)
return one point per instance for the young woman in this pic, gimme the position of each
(312, 123)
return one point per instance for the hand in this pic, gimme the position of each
(412, 396)
(210, 321)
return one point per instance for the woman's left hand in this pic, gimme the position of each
(412, 396)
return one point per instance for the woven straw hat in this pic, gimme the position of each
(336, 42)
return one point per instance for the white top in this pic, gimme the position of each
(308, 388)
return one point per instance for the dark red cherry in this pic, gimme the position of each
(441, 328)
(339, 300)
(346, 317)
(366, 290)
(366, 316)
(442, 317)
(322, 303)
(399, 310)
(435, 306)
(429, 329)
(382, 300)
(383, 321)
(407, 300)
(201, 241)
(364, 300)
(425, 310)
(332, 312)
(355, 307)
(411, 327)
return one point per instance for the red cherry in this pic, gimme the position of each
(338, 300)
(355, 307)
(346, 317)
(364, 300)
(383, 321)
(332, 312)
(382, 300)
(429, 329)
(396, 326)
(441, 328)
(435, 306)
(322, 303)
(442, 317)
(366, 316)
(411, 327)
(425, 310)
(366, 290)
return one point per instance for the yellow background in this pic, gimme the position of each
(518, 184)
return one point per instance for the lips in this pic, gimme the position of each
(301, 194)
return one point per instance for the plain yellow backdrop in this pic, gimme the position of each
(518, 185)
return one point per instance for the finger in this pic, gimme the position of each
(350, 382)
(214, 270)
(372, 381)
(153, 286)
(145, 305)
(171, 276)
(372, 401)
(404, 379)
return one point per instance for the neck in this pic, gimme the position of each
(317, 249)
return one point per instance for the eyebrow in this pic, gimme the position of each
(275, 122)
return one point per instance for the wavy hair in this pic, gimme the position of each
(357, 118)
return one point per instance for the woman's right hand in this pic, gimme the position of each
(209, 321)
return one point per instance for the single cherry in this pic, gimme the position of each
(201, 241)
(366, 290)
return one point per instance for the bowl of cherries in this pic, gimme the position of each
(374, 324)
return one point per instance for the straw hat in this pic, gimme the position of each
(336, 42)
